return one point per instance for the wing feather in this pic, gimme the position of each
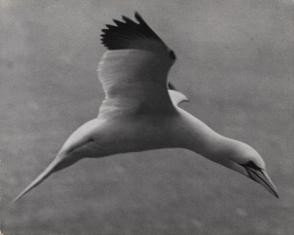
(134, 70)
(128, 34)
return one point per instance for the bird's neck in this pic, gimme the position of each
(201, 139)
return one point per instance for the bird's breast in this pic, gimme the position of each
(133, 134)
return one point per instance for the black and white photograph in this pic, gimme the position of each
(132, 117)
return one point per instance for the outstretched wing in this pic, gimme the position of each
(134, 70)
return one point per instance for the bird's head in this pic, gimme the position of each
(247, 161)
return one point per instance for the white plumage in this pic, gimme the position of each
(140, 110)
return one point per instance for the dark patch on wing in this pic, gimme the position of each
(128, 34)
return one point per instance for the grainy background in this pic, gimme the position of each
(235, 62)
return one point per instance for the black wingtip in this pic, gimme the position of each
(127, 19)
(128, 34)
(138, 16)
(117, 22)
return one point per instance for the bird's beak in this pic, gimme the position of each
(260, 176)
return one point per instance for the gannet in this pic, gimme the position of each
(141, 110)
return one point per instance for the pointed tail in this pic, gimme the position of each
(48, 171)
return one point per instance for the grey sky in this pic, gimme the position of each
(235, 63)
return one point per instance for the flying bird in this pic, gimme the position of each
(141, 110)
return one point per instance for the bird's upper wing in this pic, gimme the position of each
(133, 72)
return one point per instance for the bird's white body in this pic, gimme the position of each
(139, 113)
(102, 137)
(123, 134)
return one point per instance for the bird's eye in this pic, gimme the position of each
(172, 55)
